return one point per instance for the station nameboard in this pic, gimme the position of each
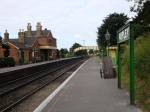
(124, 34)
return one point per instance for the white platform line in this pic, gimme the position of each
(51, 96)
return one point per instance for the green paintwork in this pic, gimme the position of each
(126, 33)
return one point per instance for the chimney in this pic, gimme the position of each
(29, 30)
(39, 29)
(6, 36)
(21, 36)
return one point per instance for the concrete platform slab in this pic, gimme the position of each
(86, 91)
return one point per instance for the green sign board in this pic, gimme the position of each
(126, 34)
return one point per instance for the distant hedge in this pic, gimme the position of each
(7, 62)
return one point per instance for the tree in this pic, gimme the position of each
(142, 8)
(142, 19)
(137, 5)
(111, 23)
(71, 52)
(75, 45)
(78, 53)
(63, 52)
(91, 51)
(143, 16)
(81, 53)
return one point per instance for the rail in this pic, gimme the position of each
(51, 71)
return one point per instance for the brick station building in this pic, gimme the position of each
(31, 46)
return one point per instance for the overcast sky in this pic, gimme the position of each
(69, 20)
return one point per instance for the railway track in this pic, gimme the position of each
(19, 82)
(13, 92)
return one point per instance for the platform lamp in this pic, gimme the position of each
(107, 37)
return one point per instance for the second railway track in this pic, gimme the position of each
(13, 93)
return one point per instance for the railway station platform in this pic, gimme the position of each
(86, 91)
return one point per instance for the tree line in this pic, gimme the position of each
(65, 53)
(114, 21)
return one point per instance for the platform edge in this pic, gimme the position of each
(57, 90)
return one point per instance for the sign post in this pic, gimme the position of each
(126, 34)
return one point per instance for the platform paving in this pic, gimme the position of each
(88, 92)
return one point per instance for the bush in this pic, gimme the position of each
(81, 53)
(142, 53)
(91, 51)
(1, 62)
(6, 51)
(125, 66)
(7, 62)
(142, 70)
(140, 30)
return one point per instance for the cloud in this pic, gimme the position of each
(69, 20)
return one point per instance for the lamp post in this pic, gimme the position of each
(107, 36)
(102, 53)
